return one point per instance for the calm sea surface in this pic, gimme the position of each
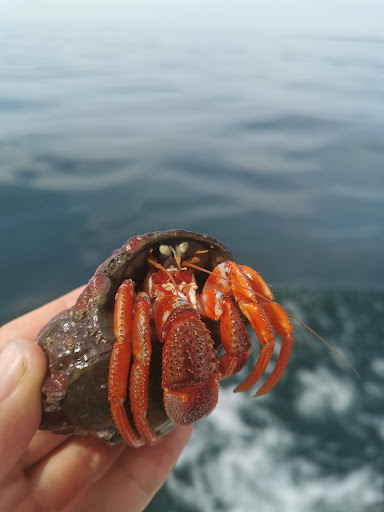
(274, 145)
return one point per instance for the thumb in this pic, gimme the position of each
(22, 368)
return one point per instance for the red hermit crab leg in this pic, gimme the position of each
(273, 313)
(120, 362)
(283, 327)
(255, 300)
(142, 349)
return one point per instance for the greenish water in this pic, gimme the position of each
(274, 145)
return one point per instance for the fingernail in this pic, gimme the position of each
(13, 365)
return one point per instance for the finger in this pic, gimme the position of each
(136, 476)
(29, 325)
(41, 445)
(22, 368)
(61, 477)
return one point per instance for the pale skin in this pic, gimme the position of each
(40, 470)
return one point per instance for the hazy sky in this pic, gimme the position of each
(337, 17)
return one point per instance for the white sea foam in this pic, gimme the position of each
(377, 366)
(264, 474)
(233, 465)
(321, 391)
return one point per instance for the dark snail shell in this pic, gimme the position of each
(78, 341)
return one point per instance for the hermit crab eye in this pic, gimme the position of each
(183, 247)
(165, 250)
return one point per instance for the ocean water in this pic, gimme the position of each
(271, 143)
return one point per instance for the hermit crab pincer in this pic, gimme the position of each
(138, 352)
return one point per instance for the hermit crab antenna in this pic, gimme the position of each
(327, 344)
(177, 256)
(188, 264)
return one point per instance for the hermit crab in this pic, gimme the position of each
(160, 323)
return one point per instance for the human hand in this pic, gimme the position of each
(40, 470)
